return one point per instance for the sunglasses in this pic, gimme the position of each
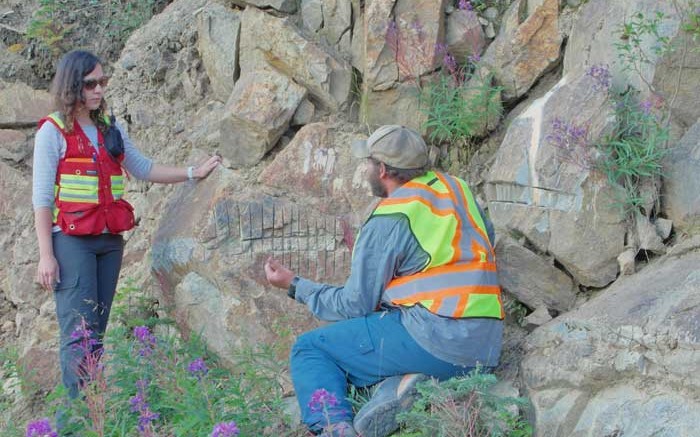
(91, 84)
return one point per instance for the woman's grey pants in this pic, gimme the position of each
(89, 269)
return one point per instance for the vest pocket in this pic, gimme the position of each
(119, 216)
(80, 222)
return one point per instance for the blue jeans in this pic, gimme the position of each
(361, 351)
(89, 269)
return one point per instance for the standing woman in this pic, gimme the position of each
(79, 211)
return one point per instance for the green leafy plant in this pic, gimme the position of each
(634, 35)
(160, 385)
(464, 407)
(459, 111)
(634, 151)
(515, 309)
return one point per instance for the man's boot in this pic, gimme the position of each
(377, 418)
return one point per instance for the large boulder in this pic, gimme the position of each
(533, 280)
(257, 114)
(213, 239)
(400, 41)
(542, 185)
(625, 362)
(272, 43)
(527, 46)
(218, 31)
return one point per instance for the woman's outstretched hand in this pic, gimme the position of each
(203, 169)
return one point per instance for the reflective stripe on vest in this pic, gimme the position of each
(460, 278)
(78, 187)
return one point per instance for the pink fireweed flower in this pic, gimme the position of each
(321, 399)
(84, 335)
(40, 428)
(225, 429)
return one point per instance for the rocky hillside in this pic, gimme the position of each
(581, 136)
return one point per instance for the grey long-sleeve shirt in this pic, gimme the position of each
(385, 249)
(50, 147)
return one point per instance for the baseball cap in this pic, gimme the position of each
(394, 145)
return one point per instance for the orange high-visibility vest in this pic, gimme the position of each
(89, 186)
(460, 278)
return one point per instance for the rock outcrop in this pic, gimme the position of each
(623, 363)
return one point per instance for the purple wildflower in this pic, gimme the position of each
(474, 59)
(646, 106)
(40, 428)
(450, 63)
(601, 75)
(140, 405)
(198, 367)
(321, 399)
(465, 5)
(571, 141)
(147, 340)
(225, 429)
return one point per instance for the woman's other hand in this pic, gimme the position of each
(47, 274)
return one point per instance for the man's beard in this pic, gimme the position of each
(375, 184)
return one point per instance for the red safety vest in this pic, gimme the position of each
(89, 186)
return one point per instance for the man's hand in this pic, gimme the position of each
(277, 274)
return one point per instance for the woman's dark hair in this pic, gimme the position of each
(67, 87)
(402, 175)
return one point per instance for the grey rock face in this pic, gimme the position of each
(270, 43)
(681, 196)
(544, 190)
(625, 362)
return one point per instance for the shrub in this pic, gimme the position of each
(464, 407)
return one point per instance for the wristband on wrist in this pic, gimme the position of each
(292, 290)
(190, 176)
